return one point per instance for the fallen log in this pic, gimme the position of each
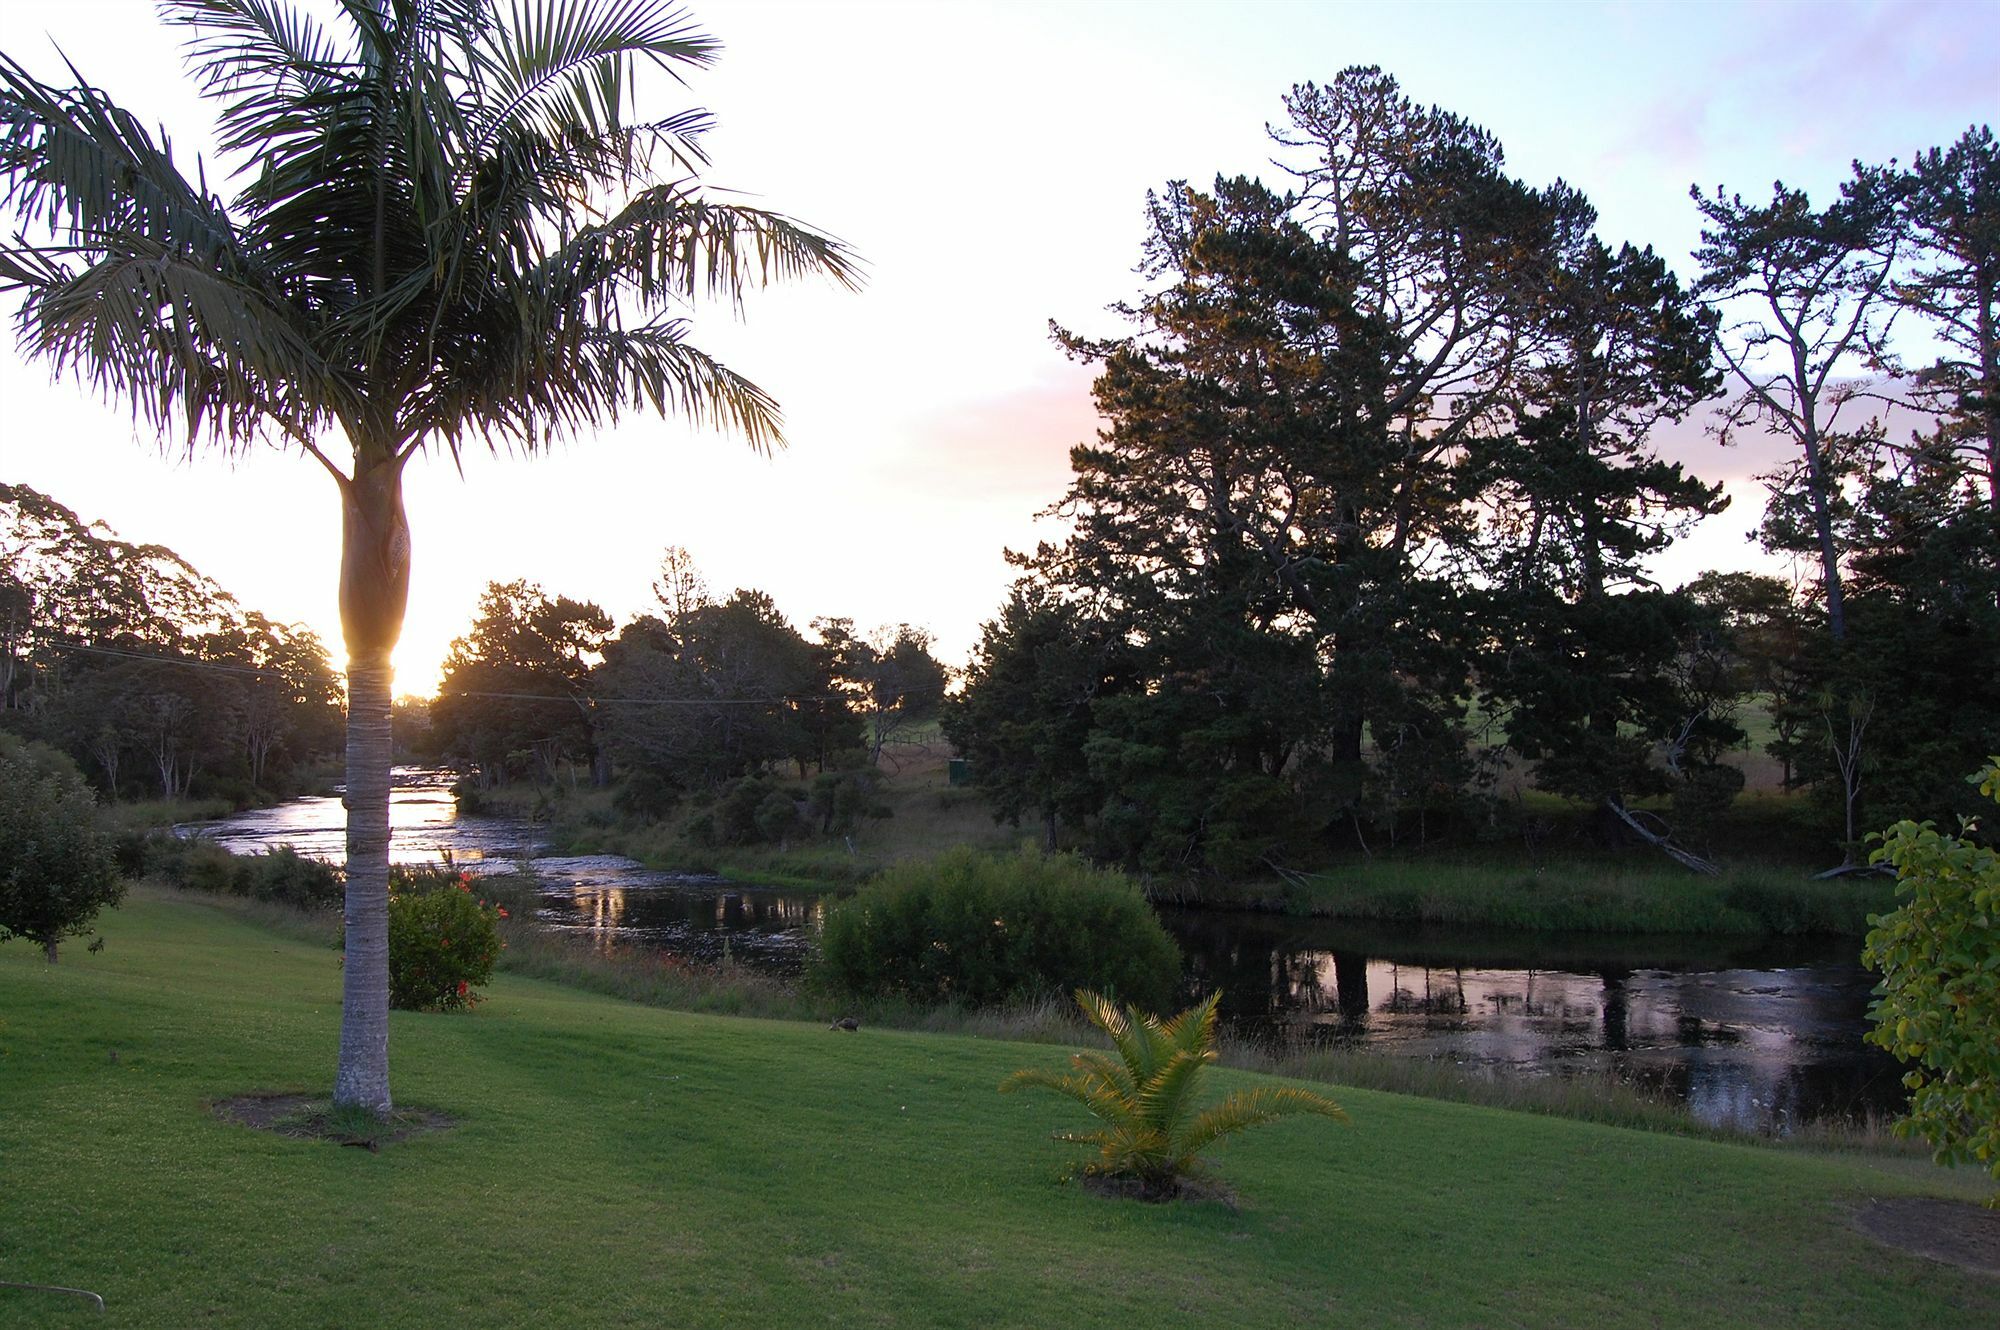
(1662, 842)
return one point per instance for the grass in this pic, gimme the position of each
(1567, 894)
(643, 976)
(613, 1164)
(147, 814)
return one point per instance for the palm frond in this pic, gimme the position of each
(1126, 1038)
(570, 379)
(672, 243)
(1243, 1110)
(1163, 1100)
(1102, 1098)
(183, 343)
(1108, 1069)
(1194, 1028)
(266, 56)
(84, 168)
(558, 64)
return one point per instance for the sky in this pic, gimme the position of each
(990, 163)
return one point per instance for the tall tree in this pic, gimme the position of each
(724, 691)
(452, 231)
(1802, 294)
(515, 696)
(1581, 648)
(1953, 287)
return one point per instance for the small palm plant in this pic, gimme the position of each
(1145, 1096)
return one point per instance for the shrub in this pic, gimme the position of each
(840, 799)
(443, 942)
(1939, 954)
(1145, 1096)
(283, 876)
(978, 930)
(752, 810)
(56, 867)
(777, 816)
(194, 864)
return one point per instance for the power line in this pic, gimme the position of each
(217, 667)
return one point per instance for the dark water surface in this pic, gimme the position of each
(1759, 1033)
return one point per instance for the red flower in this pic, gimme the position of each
(461, 988)
(503, 911)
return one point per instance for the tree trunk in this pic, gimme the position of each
(374, 590)
(363, 1075)
(1989, 386)
(49, 949)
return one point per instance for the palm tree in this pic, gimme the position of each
(451, 231)
(1145, 1096)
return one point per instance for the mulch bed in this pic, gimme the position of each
(1954, 1232)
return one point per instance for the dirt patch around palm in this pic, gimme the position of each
(1187, 1189)
(1954, 1232)
(306, 1117)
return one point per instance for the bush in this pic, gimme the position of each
(283, 876)
(443, 941)
(1939, 954)
(752, 810)
(978, 930)
(840, 799)
(56, 867)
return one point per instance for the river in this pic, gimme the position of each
(1762, 1034)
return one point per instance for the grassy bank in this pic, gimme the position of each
(641, 975)
(1599, 894)
(614, 1164)
(148, 814)
(1559, 884)
(925, 815)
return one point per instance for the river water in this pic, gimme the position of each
(1763, 1034)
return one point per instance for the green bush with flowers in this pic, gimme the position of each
(443, 940)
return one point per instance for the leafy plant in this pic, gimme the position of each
(1939, 1004)
(443, 943)
(1145, 1096)
(56, 868)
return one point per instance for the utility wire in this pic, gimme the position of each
(253, 671)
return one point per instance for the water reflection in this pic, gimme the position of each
(692, 918)
(1760, 1033)
(424, 822)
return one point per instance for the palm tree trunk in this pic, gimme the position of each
(363, 1075)
(374, 590)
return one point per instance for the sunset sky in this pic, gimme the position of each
(990, 162)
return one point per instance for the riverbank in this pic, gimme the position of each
(613, 1164)
(1573, 894)
(1585, 1088)
(1767, 886)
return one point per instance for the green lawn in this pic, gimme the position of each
(622, 1165)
